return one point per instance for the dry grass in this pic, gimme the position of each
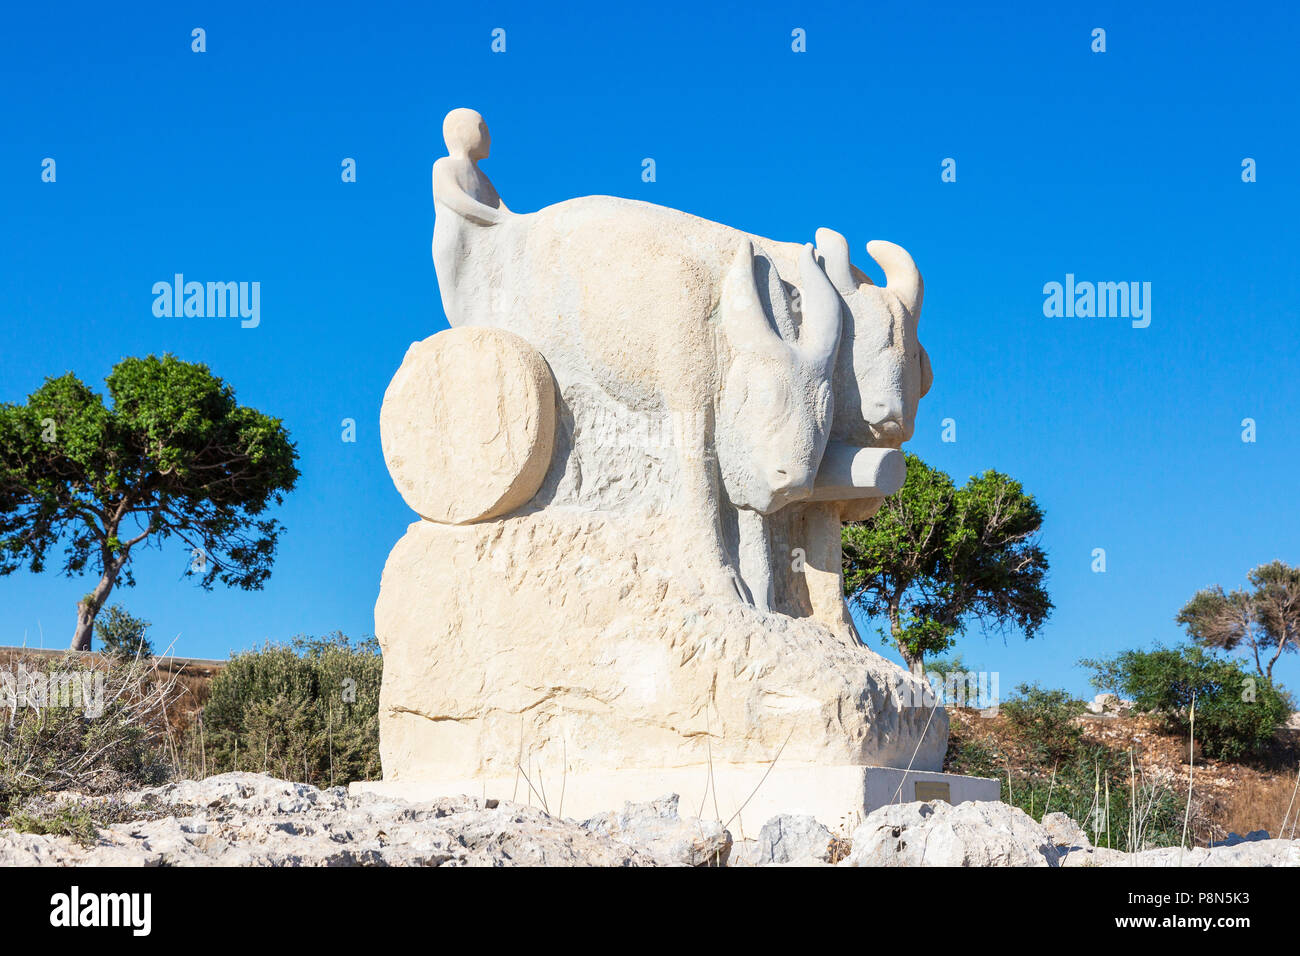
(1259, 803)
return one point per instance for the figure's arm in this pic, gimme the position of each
(447, 190)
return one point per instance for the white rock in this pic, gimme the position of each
(1109, 705)
(1253, 853)
(1064, 831)
(795, 839)
(657, 828)
(937, 834)
(253, 820)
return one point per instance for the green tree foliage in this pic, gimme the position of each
(122, 634)
(174, 456)
(307, 712)
(1237, 713)
(936, 557)
(1265, 620)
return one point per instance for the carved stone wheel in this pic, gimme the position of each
(468, 424)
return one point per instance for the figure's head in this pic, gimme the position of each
(466, 134)
(774, 411)
(882, 370)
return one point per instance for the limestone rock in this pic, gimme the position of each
(1064, 831)
(468, 424)
(1249, 853)
(795, 839)
(745, 853)
(1109, 705)
(937, 834)
(247, 819)
(568, 640)
(657, 828)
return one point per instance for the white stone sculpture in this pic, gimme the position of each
(632, 454)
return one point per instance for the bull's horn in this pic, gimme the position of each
(819, 336)
(901, 275)
(834, 252)
(743, 317)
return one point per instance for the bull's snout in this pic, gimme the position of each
(885, 419)
(788, 485)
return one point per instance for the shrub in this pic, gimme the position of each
(74, 820)
(100, 742)
(123, 635)
(308, 711)
(1111, 798)
(1045, 720)
(1237, 713)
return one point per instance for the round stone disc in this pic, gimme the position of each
(468, 424)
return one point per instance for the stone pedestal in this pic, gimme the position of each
(742, 796)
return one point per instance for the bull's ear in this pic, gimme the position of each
(833, 252)
(743, 318)
(927, 374)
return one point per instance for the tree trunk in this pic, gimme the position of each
(89, 606)
(915, 665)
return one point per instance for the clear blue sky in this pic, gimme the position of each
(1122, 166)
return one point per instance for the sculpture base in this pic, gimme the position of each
(561, 639)
(838, 796)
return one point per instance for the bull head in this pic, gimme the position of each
(774, 413)
(882, 370)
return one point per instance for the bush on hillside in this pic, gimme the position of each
(1237, 713)
(1044, 719)
(1106, 792)
(307, 712)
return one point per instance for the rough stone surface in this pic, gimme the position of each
(1109, 705)
(1252, 853)
(794, 839)
(745, 853)
(1064, 831)
(657, 828)
(996, 834)
(936, 834)
(601, 654)
(246, 819)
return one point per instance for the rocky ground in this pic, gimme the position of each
(246, 819)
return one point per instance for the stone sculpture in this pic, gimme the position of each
(631, 455)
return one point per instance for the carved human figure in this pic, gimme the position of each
(462, 189)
